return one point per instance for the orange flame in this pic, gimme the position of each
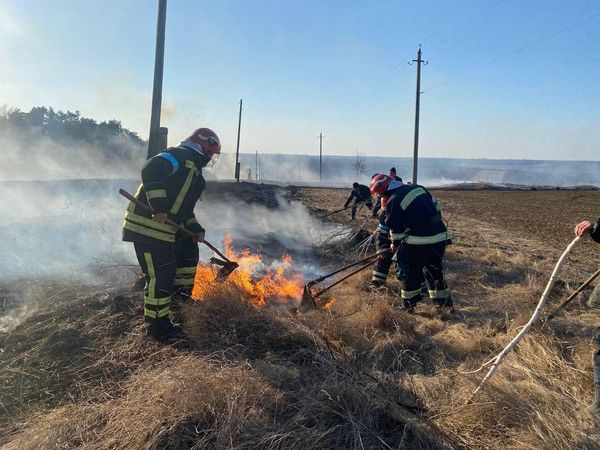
(263, 285)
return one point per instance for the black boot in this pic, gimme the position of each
(161, 329)
(445, 304)
(408, 305)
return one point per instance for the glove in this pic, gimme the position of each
(199, 237)
(160, 217)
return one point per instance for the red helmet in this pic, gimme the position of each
(208, 139)
(379, 184)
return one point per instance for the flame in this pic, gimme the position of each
(263, 284)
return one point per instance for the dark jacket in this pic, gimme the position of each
(172, 183)
(362, 194)
(413, 216)
(595, 233)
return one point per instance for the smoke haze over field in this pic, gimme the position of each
(339, 170)
(72, 229)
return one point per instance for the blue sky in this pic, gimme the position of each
(505, 79)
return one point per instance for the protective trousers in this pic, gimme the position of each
(384, 262)
(357, 203)
(159, 265)
(169, 270)
(423, 262)
(186, 256)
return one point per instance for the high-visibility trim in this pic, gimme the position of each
(379, 275)
(185, 188)
(424, 240)
(437, 204)
(156, 193)
(151, 274)
(442, 293)
(164, 312)
(131, 206)
(157, 301)
(191, 221)
(397, 236)
(407, 295)
(183, 282)
(148, 232)
(186, 270)
(165, 227)
(408, 198)
(157, 314)
(169, 157)
(383, 250)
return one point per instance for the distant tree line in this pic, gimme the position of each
(71, 129)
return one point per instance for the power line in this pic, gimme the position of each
(512, 52)
(465, 24)
(332, 125)
(451, 21)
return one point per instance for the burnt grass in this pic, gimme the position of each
(79, 373)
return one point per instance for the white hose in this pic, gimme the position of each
(495, 362)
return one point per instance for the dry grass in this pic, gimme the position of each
(362, 375)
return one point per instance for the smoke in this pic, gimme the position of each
(42, 158)
(338, 171)
(69, 232)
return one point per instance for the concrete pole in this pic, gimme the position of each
(237, 150)
(320, 157)
(157, 141)
(417, 107)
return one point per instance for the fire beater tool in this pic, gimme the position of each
(553, 314)
(310, 297)
(227, 266)
(340, 210)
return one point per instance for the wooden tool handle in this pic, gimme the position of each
(142, 205)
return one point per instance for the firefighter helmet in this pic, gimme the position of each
(379, 184)
(208, 139)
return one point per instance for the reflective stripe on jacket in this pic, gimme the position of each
(413, 217)
(172, 183)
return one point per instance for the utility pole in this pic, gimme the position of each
(321, 157)
(157, 141)
(417, 105)
(237, 150)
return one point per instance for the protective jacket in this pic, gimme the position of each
(363, 193)
(413, 216)
(172, 183)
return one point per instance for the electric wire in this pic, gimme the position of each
(512, 52)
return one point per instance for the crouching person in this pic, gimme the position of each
(419, 239)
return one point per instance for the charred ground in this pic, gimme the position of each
(79, 372)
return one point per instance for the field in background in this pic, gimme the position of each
(362, 374)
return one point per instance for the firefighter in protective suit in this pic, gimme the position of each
(419, 238)
(383, 248)
(171, 185)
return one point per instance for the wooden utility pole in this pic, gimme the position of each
(320, 157)
(157, 141)
(237, 150)
(417, 105)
